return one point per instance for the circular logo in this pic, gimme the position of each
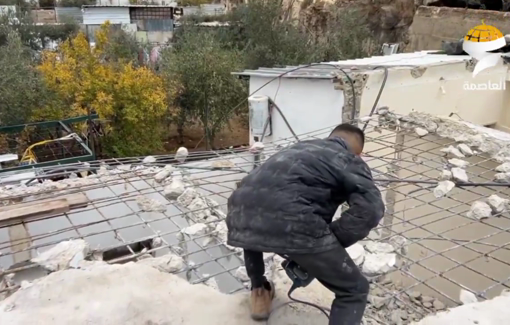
(481, 40)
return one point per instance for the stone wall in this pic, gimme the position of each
(431, 25)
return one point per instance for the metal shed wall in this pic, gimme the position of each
(69, 13)
(98, 15)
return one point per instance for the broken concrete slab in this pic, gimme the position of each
(357, 253)
(467, 297)
(498, 204)
(453, 151)
(458, 162)
(187, 197)
(379, 247)
(465, 149)
(197, 229)
(460, 175)
(169, 263)
(493, 312)
(175, 189)
(502, 178)
(421, 132)
(503, 168)
(479, 210)
(445, 175)
(162, 175)
(60, 257)
(223, 164)
(443, 188)
(241, 274)
(150, 205)
(200, 209)
(376, 264)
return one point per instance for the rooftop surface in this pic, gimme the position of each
(327, 70)
(446, 247)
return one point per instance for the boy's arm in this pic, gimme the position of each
(366, 207)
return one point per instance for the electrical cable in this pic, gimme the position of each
(378, 95)
(290, 71)
(323, 310)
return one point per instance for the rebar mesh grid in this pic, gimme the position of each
(446, 251)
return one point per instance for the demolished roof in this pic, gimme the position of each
(436, 245)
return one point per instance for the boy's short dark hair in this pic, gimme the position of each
(349, 128)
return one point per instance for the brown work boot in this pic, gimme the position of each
(260, 303)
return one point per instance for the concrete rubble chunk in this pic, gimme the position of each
(149, 160)
(223, 164)
(376, 264)
(458, 162)
(399, 243)
(168, 263)
(438, 305)
(150, 205)
(465, 149)
(445, 175)
(421, 132)
(502, 178)
(157, 242)
(187, 197)
(165, 173)
(467, 297)
(378, 247)
(199, 208)
(453, 151)
(241, 274)
(460, 174)
(357, 253)
(175, 189)
(181, 154)
(197, 229)
(60, 257)
(498, 204)
(503, 168)
(479, 210)
(211, 282)
(443, 188)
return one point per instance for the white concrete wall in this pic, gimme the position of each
(429, 93)
(313, 104)
(99, 15)
(308, 104)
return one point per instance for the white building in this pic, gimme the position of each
(421, 81)
(149, 23)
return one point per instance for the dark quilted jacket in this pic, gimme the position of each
(287, 204)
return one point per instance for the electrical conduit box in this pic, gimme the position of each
(259, 115)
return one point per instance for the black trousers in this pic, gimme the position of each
(335, 270)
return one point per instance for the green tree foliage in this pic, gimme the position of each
(268, 37)
(34, 36)
(202, 68)
(21, 88)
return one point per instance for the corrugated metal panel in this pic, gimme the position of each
(328, 70)
(69, 13)
(159, 25)
(98, 15)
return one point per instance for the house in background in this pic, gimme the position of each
(149, 23)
